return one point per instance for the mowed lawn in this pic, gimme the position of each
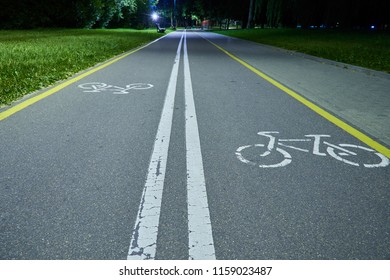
(34, 59)
(369, 49)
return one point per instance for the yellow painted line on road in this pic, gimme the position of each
(35, 99)
(353, 131)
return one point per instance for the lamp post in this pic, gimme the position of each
(174, 23)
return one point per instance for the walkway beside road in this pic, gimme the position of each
(358, 95)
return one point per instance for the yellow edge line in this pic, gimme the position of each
(354, 132)
(30, 101)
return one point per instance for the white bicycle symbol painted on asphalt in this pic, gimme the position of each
(258, 154)
(101, 87)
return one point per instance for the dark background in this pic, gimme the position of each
(349, 14)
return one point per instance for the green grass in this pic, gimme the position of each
(365, 49)
(34, 59)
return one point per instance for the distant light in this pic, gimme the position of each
(372, 26)
(155, 16)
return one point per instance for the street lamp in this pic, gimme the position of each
(154, 16)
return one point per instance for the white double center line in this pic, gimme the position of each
(144, 239)
(199, 225)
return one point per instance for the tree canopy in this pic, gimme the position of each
(329, 13)
(136, 13)
(70, 13)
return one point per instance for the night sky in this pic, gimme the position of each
(351, 14)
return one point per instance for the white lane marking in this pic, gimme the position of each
(294, 140)
(384, 160)
(294, 148)
(287, 157)
(144, 239)
(101, 87)
(200, 244)
(331, 150)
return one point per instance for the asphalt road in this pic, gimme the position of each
(158, 156)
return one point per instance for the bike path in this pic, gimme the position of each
(359, 96)
(76, 165)
(314, 208)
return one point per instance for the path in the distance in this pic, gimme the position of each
(182, 150)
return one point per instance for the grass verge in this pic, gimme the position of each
(34, 59)
(365, 49)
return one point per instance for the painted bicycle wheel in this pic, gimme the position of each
(372, 158)
(254, 155)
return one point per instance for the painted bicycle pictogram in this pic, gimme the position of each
(260, 154)
(102, 87)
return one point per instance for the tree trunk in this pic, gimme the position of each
(250, 15)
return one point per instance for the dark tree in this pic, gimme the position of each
(135, 13)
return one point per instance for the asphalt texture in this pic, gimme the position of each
(358, 95)
(74, 164)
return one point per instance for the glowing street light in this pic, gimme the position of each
(155, 16)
